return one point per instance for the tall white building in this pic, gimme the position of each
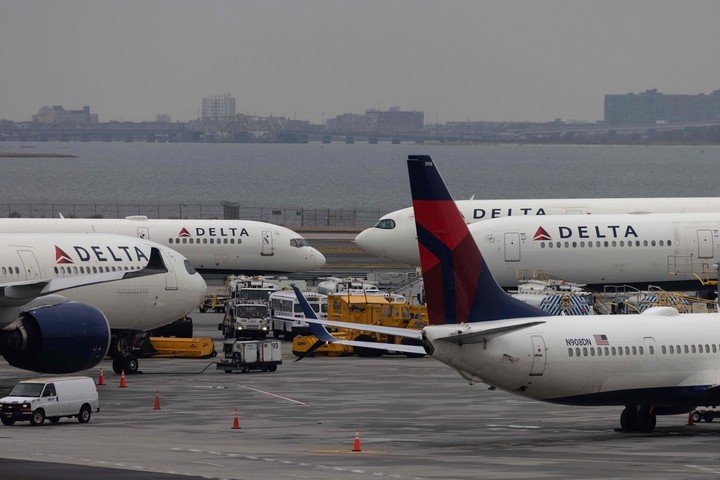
(218, 106)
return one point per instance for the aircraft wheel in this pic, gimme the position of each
(131, 365)
(645, 420)
(627, 418)
(117, 365)
(697, 418)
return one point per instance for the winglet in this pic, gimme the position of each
(458, 284)
(155, 265)
(318, 330)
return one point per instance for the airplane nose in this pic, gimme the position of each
(318, 259)
(362, 238)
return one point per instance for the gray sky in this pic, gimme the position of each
(476, 60)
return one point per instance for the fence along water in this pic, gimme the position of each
(285, 216)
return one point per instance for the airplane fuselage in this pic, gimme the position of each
(210, 245)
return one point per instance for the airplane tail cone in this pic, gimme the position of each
(156, 406)
(690, 422)
(356, 443)
(101, 378)
(236, 421)
(123, 382)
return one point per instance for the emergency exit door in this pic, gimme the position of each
(512, 247)
(267, 248)
(705, 243)
(30, 264)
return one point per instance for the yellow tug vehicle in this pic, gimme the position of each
(171, 347)
(371, 308)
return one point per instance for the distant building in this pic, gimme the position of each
(163, 118)
(218, 106)
(652, 106)
(57, 115)
(378, 121)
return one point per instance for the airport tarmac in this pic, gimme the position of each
(416, 418)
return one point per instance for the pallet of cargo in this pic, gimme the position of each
(247, 355)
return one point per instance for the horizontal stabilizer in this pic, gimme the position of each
(396, 331)
(476, 332)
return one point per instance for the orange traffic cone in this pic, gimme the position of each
(123, 383)
(156, 406)
(690, 421)
(356, 443)
(236, 421)
(101, 378)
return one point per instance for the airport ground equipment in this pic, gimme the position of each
(243, 288)
(701, 415)
(246, 320)
(214, 302)
(169, 347)
(246, 355)
(370, 308)
(285, 304)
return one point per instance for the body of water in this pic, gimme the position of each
(360, 176)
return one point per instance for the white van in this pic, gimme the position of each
(51, 398)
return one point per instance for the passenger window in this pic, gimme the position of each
(239, 241)
(582, 244)
(606, 243)
(607, 351)
(3, 270)
(692, 348)
(599, 351)
(184, 240)
(714, 349)
(707, 348)
(645, 243)
(62, 270)
(191, 240)
(542, 244)
(651, 348)
(627, 350)
(613, 351)
(664, 350)
(577, 351)
(700, 349)
(570, 352)
(597, 244)
(212, 240)
(634, 351)
(590, 244)
(574, 244)
(585, 352)
(669, 242)
(17, 270)
(641, 351)
(652, 243)
(558, 244)
(622, 243)
(94, 269)
(170, 240)
(620, 351)
(672, 350)
(614, 243)
(679, 350)
(232, 240)
(592, 351)
(637, 243)
(661, 243)
(567, 244)
(687, 350)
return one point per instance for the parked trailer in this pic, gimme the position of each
(244, 355)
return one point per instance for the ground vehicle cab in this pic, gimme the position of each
(52, 398)
(285, 304)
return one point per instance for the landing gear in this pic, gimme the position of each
(636, 418)
(124, 348)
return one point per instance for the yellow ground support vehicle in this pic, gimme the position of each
(371, 309)
(170, 347)
(214, 302)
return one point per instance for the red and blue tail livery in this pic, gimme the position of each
(459, 287)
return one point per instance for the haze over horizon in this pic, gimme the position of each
(487, 60)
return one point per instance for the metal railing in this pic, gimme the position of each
(286, 216)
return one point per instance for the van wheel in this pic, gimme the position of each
(272, 368)
(37, 418)
(54, 419)
(7, 421)
(84, 415)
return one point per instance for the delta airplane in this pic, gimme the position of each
(659, 362)
(59, 308)
(210, 245)
(394, 236)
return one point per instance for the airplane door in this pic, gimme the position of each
(30, 264)
(170, 276)
(538, 365)
(267, 243)
(512, 247)
(705, 243)
(143, 232)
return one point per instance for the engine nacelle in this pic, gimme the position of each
(64, 338)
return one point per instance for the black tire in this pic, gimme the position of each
(264, 369)
(54, 419)
(627, 419)
(709, 418)
(697, 418)
(85, 413)
(645, 420)
(37, 418)
(131, 365)
(277, 333)
(272, 368)
(7, 421)
(117, 365)
(228, 371)
(245, 369)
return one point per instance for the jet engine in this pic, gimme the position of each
(64, 338)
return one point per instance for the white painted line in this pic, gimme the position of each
(275, 395)
(705, 469)
(209, 463)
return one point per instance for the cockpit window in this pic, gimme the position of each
(387, 224)
(190, 269)
(299, 242)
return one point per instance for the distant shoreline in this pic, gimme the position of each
(35, 155)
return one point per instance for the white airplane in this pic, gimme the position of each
(47, 332)
(672, 250)
(656, 363)
(394, 236)
(210, 245)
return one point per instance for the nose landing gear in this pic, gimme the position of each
(123, 351)
(638, 418)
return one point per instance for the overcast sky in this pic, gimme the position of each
(462, 60)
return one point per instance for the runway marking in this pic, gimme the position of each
(532, 427)
(208, 463)
(275, 395)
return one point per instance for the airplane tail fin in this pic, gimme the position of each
(459, 287)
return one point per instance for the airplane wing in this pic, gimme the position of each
(19, 293)
(317, 328)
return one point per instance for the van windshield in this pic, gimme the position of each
(27, 390)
